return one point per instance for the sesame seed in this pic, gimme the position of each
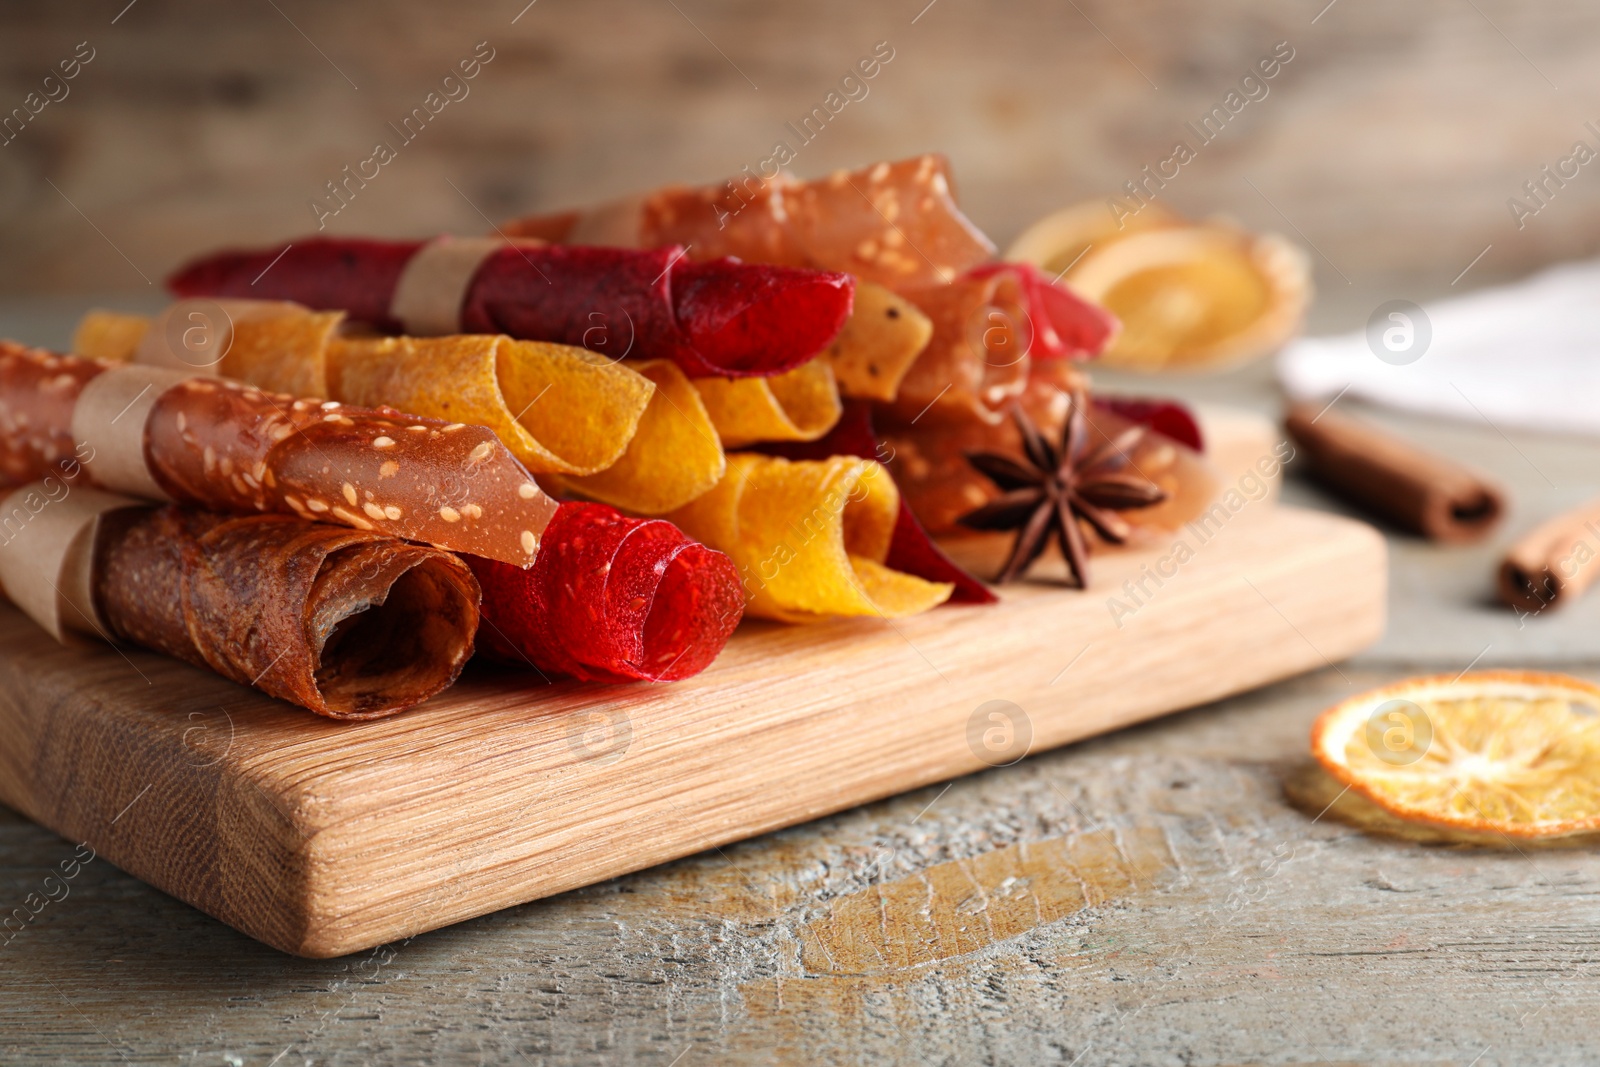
(330, 405)
(529, 542)
(372, 509)
(383, 442)
(280, 432)
(350, 493)
(391, 512)
(353, 519)
(389, 469)
(473, 511)
(183, 422)
(417, 429)
(315, 505)
(481, 452)
(527, 490)
(453, 427)
(449, 514)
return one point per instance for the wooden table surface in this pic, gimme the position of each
(1151, 897)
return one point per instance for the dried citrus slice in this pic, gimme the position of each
(1059, 241)
(1189, 296)
(1511, 752)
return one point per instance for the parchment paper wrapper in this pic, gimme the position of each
(47, 541)
(434, 284)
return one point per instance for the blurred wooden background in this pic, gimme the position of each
(1391, 141)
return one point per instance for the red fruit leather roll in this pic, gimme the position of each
(1168, 417)
(611, 599)
(224, 446)
(349, 624)
(716, 318)
(1061, 324)
(911, 550)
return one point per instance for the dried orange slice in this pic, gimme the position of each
(1509, 752)
(1190, 296)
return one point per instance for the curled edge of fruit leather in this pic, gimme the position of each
(611, 599)
(349, 624)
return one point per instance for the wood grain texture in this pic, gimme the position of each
(323, 838)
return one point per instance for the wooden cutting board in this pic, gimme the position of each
(323, 838)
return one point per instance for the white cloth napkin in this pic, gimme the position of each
(1524, 355)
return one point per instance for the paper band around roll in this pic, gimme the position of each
(427, 300)
(190, 335)
(110, 419)
(47, 555)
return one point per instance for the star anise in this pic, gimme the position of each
(1052, 486)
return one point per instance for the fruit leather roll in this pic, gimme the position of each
(612, 599)
(991, 327)
(636, 436)
(560, 409)
(810, 538)
(895, 224)
(160, 434)
(715, 317)
(347, 623)
(941, 485)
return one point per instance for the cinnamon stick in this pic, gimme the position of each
(1555, 562)
(1413, 490)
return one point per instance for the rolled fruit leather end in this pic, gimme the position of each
(348, 624)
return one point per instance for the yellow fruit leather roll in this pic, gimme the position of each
(809, 538)
(800, 405)
(674, 457)
(883, 336)
(560, 409)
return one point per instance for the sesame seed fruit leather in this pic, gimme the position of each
(941, 484)
(225, 446)
(350, 624)
(721, 317)
(611, 599)
(894, 224)
(38, 392)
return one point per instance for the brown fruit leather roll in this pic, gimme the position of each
(38, 392)
(350, 624)
(1415, 490)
